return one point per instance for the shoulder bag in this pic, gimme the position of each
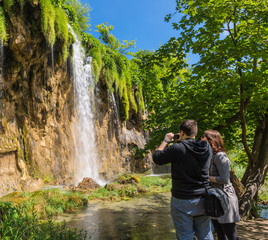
(216, 200)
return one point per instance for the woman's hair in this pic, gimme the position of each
(215, 140)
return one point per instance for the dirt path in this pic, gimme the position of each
(253, 229)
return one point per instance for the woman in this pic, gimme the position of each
(225, 226)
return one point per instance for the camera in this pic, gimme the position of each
(176, 136)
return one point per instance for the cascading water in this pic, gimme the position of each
(86, 164)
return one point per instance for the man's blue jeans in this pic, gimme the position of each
(189, 217)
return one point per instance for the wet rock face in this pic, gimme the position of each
(9, 173)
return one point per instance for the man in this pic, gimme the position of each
(190, 160)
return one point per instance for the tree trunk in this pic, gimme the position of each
(254, 176)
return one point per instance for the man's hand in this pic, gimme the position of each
(168, 138)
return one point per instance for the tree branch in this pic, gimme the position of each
(243, 126)
(233, 118)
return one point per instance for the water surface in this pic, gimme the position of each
(140, 218)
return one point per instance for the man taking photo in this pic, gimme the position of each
(189, 158)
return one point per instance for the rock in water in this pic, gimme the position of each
(87, 183)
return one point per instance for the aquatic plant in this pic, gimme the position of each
(16, 223)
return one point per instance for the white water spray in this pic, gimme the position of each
(86, 164)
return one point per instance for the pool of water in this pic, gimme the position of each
(141, 219)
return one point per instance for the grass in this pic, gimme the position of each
(127, 186)
(18, 223)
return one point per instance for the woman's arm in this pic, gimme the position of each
(222, 163)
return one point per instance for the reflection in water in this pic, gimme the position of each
(142, 219)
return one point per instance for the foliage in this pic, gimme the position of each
(78, 14)
(48, 21)
(3, 34)
(17, 223)
(117, 72)
(48, 202)
(159, 78)
(8, 4)
(62, 29)
(112, 41)
(231, 75)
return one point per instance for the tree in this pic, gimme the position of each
(112, 42)
(78, 13)
(229, 83)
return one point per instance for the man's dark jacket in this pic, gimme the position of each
(187, 159)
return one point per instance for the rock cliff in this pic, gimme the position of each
(37, 112)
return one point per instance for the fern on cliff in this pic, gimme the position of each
(48, 21)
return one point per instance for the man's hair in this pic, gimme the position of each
(189, 127)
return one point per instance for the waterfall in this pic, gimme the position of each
(86, 164)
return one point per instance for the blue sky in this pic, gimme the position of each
(140, 20)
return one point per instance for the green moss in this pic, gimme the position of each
(95, 53)
(3, 34)
(121, 85)
(125, 103)
(62, 30)
(48, 21)
(130, 92)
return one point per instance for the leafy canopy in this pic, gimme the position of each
(231, 76)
